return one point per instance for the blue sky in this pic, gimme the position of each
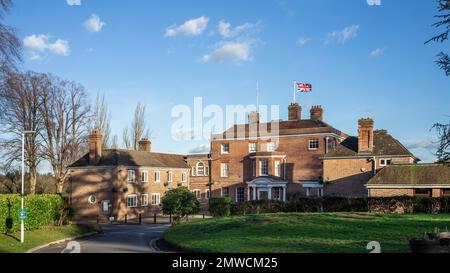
(363, 61)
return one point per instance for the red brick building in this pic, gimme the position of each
(123, 182)
(348, 167)
(256, 161)
(251, 161)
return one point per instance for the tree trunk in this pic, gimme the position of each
(33, 179)
(59, 185)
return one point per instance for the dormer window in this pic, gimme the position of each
(385, 162)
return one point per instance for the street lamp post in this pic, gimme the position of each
(22, 225)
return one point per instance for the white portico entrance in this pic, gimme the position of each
(266, 188)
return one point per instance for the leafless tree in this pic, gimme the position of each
(102, 119)
(10, 45)
(126, 139)
(139, 129)
(65, 113)
(443, 21)
(20, 102)
(10, 182)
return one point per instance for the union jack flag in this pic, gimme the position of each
(304, 87)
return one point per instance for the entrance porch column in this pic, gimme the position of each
(254, 193)
(284, 194)
(248, 193)
(269, 194)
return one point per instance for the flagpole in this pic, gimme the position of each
(257, 96)
(295, 83)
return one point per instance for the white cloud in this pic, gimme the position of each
(36, 42)
(94, 24)
(193, 27)
(302, 41)
(227, 31)
(376, 52)
(60, 47)
(73, 2)
(342, 36)
(204, 148)
(39, 44)
(238, 51)
(426, 144)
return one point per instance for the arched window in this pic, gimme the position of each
(200, 169)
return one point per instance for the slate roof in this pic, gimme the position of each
(285, 127)
(419, 174)
(117, 157)
(384, 145)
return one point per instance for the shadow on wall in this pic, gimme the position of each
(350, 186)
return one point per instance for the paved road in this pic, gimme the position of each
(118, 239)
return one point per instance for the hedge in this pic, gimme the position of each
(42, 210)
(403, 204)
(220, 206)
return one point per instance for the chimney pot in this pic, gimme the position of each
(295, 111)
(145, 145)
(365, 135)
(317, 112)
(95, 147)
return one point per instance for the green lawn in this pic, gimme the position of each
(304, 232)
(11, 243)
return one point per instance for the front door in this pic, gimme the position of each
(263, 195)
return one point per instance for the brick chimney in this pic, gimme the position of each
(295, 111)
(253, 117)
(95, 147)
(317, 112)
(365, 135)
(145, 145)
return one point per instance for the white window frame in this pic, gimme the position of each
(144, 174)
(310, 144)
(184, 177)
(169, 176)
(197, 172)
(107, 202)
(252, 147)
(243, 194)
(157, 176)
(277, 196)
(277, 168)
(224, 170)
(193, 171)
(134, 196)
(261, 168)
(144, 200)
(131, 176)
(198, 193)
(207, 194)
(271, 146)
(385, 162)
(157, 200)
(223, 150)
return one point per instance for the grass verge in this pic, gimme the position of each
(10, 243)
(304, 232)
